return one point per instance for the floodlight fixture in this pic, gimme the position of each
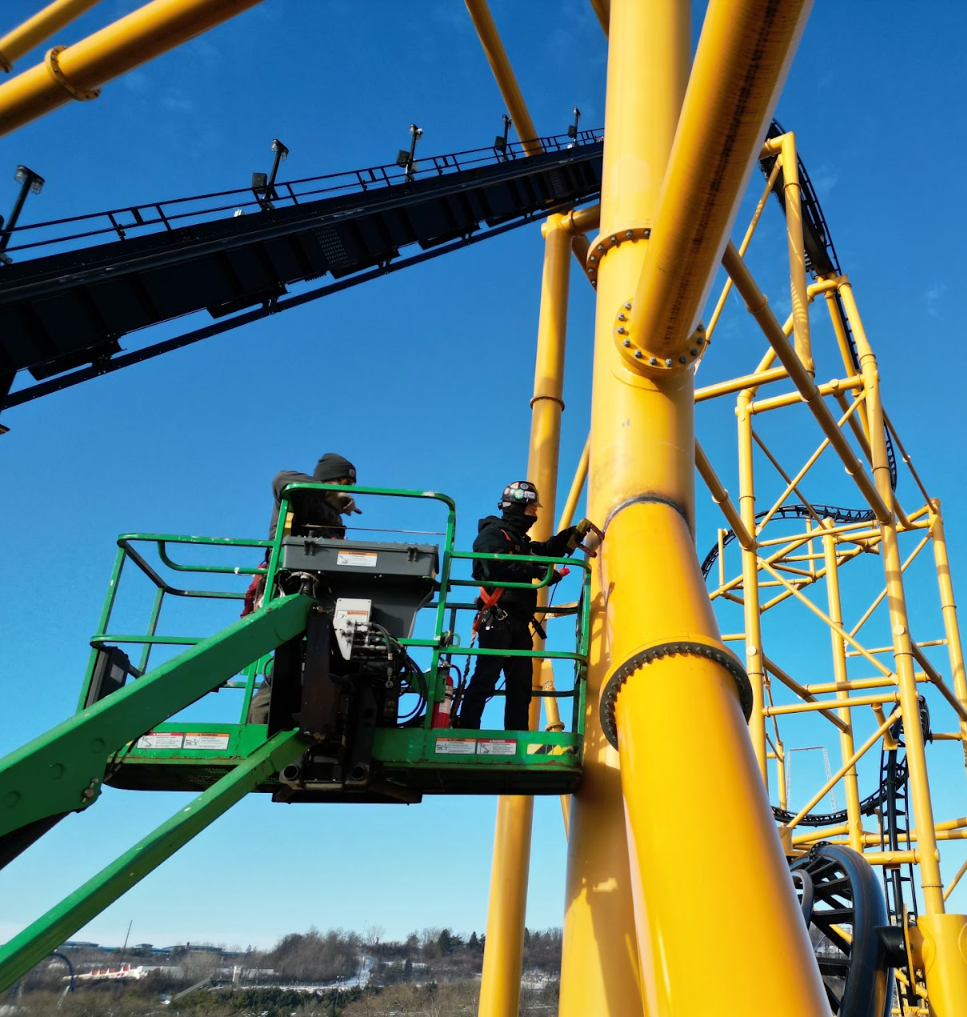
(572, 131)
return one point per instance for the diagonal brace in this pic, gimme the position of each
(61, 771)
(30, 947)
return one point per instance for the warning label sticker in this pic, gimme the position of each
(357, 559)
(161, 740)
(456, 746)
(496, 747)
(206, 740)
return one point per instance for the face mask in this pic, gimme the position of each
(521, 522)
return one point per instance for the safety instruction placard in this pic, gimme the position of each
(357, 559)
(205, 740)
(456, 746)
(496, 747)
(161, 740)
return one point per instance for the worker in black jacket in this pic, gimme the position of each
(505, 616)
(316, 513)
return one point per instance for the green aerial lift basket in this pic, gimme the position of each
(405, 583)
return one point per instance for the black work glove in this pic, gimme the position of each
(576, 534)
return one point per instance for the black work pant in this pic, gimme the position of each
(509, 634)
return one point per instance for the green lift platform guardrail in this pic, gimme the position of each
(128, 738)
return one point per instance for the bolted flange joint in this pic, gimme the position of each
(53, 69)
(604, 243)
(609, 695)
(635, 351)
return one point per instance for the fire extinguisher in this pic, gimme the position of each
(441, 710)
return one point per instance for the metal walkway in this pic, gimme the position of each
(65, 310)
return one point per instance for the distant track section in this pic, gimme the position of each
(235, 250)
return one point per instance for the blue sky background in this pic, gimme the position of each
(423, 378)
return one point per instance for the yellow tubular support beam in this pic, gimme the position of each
(759, 308)
(755, 668)
(721, 388)
(78, 71)
(931, 882)
(721, 498)
(841, 674)
(743, 247)
(503, 956)
(797, 251)
(802, 691)
(649, 591)
(742, 60)
(496, 55)
(39, 28)
(600, 960)
(948, 608)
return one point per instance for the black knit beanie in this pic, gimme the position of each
(332, 467)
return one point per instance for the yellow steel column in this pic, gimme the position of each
(948, 607)
(671, 690)
(754, 654)
(504, 74)
(854, 819)
(77, 71)
(945, 936)
(503, 954)
(600, 967)
(38, 28)
(797, 251)
(896, 601)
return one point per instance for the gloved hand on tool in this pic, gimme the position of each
(586, 536)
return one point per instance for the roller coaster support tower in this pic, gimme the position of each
(671, 183)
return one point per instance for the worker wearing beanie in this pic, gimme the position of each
(319, 509)
(316, 512)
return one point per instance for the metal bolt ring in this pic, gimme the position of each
(684, 647)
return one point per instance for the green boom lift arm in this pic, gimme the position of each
(62, 771)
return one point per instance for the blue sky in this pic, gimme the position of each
(423, 378)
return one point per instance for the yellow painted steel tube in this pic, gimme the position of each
(39, 28)
(721, 388)
(948, 607)
(600, 961)
(931, 882)
(797, 250)
(649, 590)
(503, 955)
(742, 60)
(679, 898)
(854, 817)
(754, 657)
(945, 962)
(78, 71)
(759, 308)
(743, 247)
(721, 498)
(504, 75)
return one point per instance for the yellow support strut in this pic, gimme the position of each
(38, 28)
(600, 971)
(503, 955)
(78, 71)
(649, 588)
